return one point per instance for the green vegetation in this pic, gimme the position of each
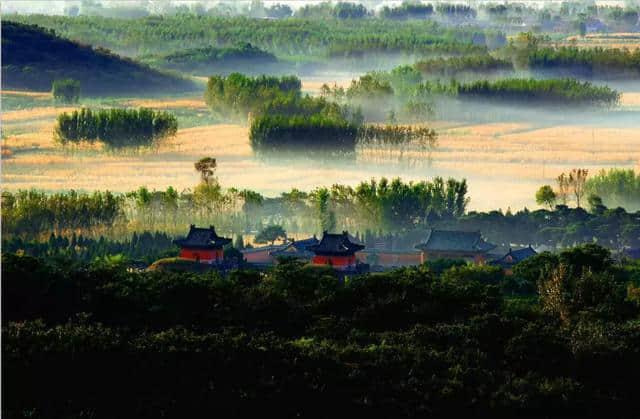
(66, 91)
(236, 95)
(407, 10)
(116, 128)
(270, 234)
(564, 345)
(322, 37)
(33, 58)
(557, 92)
(208, 60)
(601, 63)
(616, 187)
(456, 66)
(278, 132)
(145, 247)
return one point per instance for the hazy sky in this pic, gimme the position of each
(58, 6)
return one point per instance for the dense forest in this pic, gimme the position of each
(557, 339)
(298, 37)
(115, 128)
(32, 58)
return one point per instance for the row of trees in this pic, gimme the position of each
(456, 66)
(615, 187)
(146, 247)
(116, 128)
(440, 339)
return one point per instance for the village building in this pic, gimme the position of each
(298, 249)
(261, 256)
(389, 259)
(508, 261)
(202, 245)
(336, 250)
(451, 244)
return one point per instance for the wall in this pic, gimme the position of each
(204, 255)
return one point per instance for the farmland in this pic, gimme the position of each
(504, 161)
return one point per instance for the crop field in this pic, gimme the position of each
(504, 162)
(630, 41)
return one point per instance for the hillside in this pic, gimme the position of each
(33, 57)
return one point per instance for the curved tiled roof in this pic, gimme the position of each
(455, 241)
(202, 238)
(336, 244)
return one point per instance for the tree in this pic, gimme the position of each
(595, 204)
(206, 166)
(271, 234)
(546, 196)
(577, 182)
(563, 188)
(66, 90)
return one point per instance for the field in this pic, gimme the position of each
(504, 162)
(630, 41)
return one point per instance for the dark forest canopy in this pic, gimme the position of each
(439, 340)
(33, 57)
(287, 38)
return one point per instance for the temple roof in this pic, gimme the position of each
(514, 256)
(336, 244)
(455, 241)
(202, 238)
(298, 248)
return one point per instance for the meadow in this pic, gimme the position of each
(504, 162)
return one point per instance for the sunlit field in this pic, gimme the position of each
(630, 40)
(504, 162)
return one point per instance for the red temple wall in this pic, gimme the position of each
(337, 261)
(204, 255)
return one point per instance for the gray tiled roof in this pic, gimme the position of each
(336, 244)
(516, 256)
(455, 241)
(202, 238)
(298, 248)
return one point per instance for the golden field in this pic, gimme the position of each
(504, 162)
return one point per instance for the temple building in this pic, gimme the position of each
(508, 261)
(336, 250)
(202, 245)
(298, 249)
(449, 244)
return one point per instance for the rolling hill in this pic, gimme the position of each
(33, 57)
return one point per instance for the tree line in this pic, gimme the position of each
(115, 128)
(441, 339)
(210, 59)
(145, 247)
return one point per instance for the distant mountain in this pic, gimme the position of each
(33, 57)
